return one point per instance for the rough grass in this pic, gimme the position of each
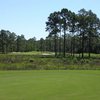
(50, 85)
(46, 61)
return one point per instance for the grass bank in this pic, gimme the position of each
(46, 61)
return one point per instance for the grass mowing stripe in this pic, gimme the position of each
(51, 84)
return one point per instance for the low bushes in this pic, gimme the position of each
(38, 62)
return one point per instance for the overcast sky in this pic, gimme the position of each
(28, 17)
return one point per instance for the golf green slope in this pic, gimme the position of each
(50, 85)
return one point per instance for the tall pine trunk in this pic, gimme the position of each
(64, 52)
(55, 46)
(83, 45)
(89, 51)
(60, 42)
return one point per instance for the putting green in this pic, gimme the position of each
(50, 85)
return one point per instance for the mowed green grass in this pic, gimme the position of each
(50, 85)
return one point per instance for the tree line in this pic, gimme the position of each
(68, 33)
(10, 42)
(74, 33)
